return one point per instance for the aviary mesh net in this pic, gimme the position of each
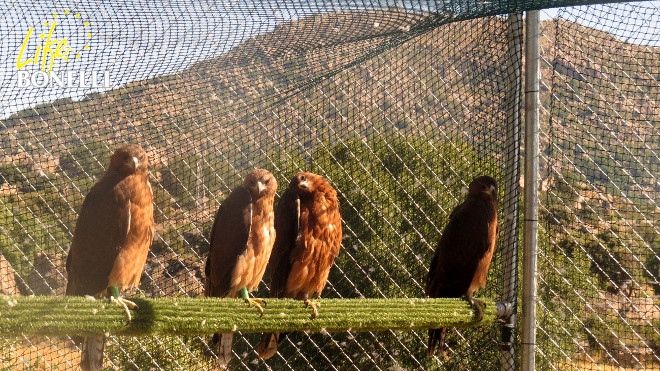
(601, 239)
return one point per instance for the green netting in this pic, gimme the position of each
(599, 257)
(378, 98)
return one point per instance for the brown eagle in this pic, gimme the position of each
(308, 225)
(460, 264)
(113, 233)
(242, 239)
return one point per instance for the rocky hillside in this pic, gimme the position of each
(362, 72)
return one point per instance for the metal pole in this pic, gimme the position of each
(510, 212)
(530, 233)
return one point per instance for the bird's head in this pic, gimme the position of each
(483, 185)
(261, 183)
(304, 183)
(129, 160)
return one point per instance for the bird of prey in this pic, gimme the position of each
(113, 233)
(461, 260)
(242, 239)
(308, 225)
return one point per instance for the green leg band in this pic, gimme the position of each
(243, 293)
(114, 291)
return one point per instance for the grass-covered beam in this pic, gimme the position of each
(50, 315)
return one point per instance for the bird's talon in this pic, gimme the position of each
(130, 304)
(255, 303)
(478, 306)
(314, 305)
(125, 304)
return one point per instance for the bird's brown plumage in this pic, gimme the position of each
(114, 230)
(242, 239)
(308, 225)
(461, 260)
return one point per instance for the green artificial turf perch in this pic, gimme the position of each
(53, 316)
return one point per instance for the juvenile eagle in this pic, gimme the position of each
(242, 239)
(308, 225)
(460, 264)
(113, 233)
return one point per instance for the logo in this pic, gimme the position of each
(40, 57)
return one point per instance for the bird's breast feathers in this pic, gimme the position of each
(262, 233)
(128, 265)
(251, 265)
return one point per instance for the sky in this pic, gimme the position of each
(133, 40)
(637, 23)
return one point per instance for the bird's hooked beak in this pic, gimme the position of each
(490, 190)
(260, 187)
(133, 163)
(304, 184)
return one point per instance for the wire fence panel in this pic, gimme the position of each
(600, 246)
(396, 108)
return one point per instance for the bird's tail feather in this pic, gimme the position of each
(224, 349)
(437, 339)
(268, 344)
(92, 353)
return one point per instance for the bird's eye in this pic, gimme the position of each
(302, 178)
(268, 181)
